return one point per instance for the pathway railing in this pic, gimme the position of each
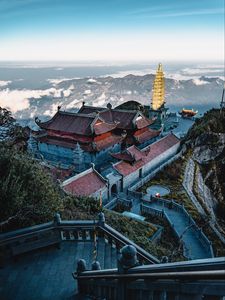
(196, 279)
(206, 243)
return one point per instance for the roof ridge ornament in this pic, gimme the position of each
(37, 120)
(147, 151)
(109, 106)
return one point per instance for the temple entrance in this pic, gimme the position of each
(114, 189)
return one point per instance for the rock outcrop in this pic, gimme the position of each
(206, 139)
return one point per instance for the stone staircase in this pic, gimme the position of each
(31, 268)
(47, 273)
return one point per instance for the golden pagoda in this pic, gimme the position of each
(158, 95)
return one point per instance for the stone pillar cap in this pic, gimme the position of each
(128, 256)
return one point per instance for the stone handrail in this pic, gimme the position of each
(69, 230)
(172, 203)
(196, 279)
(142, 254)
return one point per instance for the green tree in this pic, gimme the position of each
(5, 117)
(28, 194)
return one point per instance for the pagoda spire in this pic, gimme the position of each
(158, 95)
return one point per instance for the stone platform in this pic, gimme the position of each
(47, 273)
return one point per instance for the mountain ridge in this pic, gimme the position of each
(201, 93)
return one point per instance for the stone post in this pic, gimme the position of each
(164, 259)
(95, 266)
(101, 219)
(126, 260)
(81, 267)
(57, 219)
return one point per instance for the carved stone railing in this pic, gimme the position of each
(196, 279)
(27, 239)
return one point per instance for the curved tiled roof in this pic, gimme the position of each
(90, 109)
(143, 122)
(81, 124)
(124, 118)
(147, 154)
(84, 184)
(102, 127)
(69, 122)
(146, 134)
(107, 142)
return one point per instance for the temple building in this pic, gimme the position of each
(133, 164)
(89, 136)
(88, 183)
(158, 109)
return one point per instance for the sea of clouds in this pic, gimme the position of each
(19, 99)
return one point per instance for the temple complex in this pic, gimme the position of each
(89, 135)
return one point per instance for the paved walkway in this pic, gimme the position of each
(192, 244)
(47, 273)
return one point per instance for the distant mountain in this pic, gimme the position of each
(201, 93)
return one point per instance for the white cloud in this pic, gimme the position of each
(121, 74)
(72, 87)
(216, 11)
(17, 100)
(47, 113)
(211, 66)
(100, 101)
(56, 81)
(73, 103)
(91, 80)
(195, 71)
(4, 83)
(53, 109)
(87, 92)
(67, 93)
(198, 81)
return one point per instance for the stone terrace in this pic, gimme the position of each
(47, 273)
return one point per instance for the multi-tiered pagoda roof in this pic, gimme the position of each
(96, 128)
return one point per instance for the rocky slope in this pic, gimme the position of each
(207, 141)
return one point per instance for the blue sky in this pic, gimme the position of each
(112, 30)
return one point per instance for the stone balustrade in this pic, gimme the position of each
(206, 243)
(58, 231)
(200, 279)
